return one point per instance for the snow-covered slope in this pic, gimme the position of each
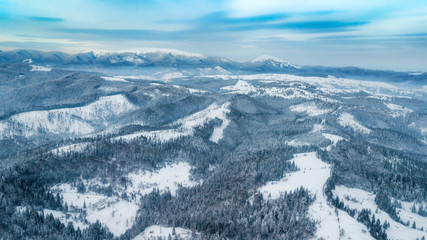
(118, 214)
(69, 121)
(359, 199)
(348, 120)
(333, 85)
(241, 87)
(274, 61)
(312, 175)
(36, 68)
(310, 109)
(397, 110)
(188, 124)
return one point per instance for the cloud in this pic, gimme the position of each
(45, 19)
(142, 34)
(305, 26)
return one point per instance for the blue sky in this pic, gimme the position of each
(385, 34)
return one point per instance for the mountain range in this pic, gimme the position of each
(174, 145)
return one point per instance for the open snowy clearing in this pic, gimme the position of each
(36, 68)
(155, 231)
(333, 138)
(166, 178)
(310, 109)
(66, 218)
(313, 175)
(348, 120)
(358, 199)
(397, 110)
(118, 214)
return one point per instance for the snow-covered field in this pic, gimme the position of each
(155, 231)
(167, 178)
(119, 214)
(70, 121)
(358, 199)
(313, 175)
(116, 214)
(348, 120)
(65, 218)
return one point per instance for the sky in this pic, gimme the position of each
(377, 34)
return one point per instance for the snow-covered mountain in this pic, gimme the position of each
(273, 62)
(161, 143)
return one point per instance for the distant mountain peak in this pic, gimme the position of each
(143, 51)
(275, 61)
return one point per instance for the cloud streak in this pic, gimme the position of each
(45, 19)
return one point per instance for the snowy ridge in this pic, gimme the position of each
(204, 116)
(190, 90)
(187, 125)
(347, 120)
(277, 62)
(241, 87)
(215, 70)
(115, 79)
(100, 53)
(310, 109)
(160, 135)
(36, 68)
(63, 218)
(313, 175)
(332, 85)
(71, 121)
(359, 199)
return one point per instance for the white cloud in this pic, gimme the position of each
(256, 7)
